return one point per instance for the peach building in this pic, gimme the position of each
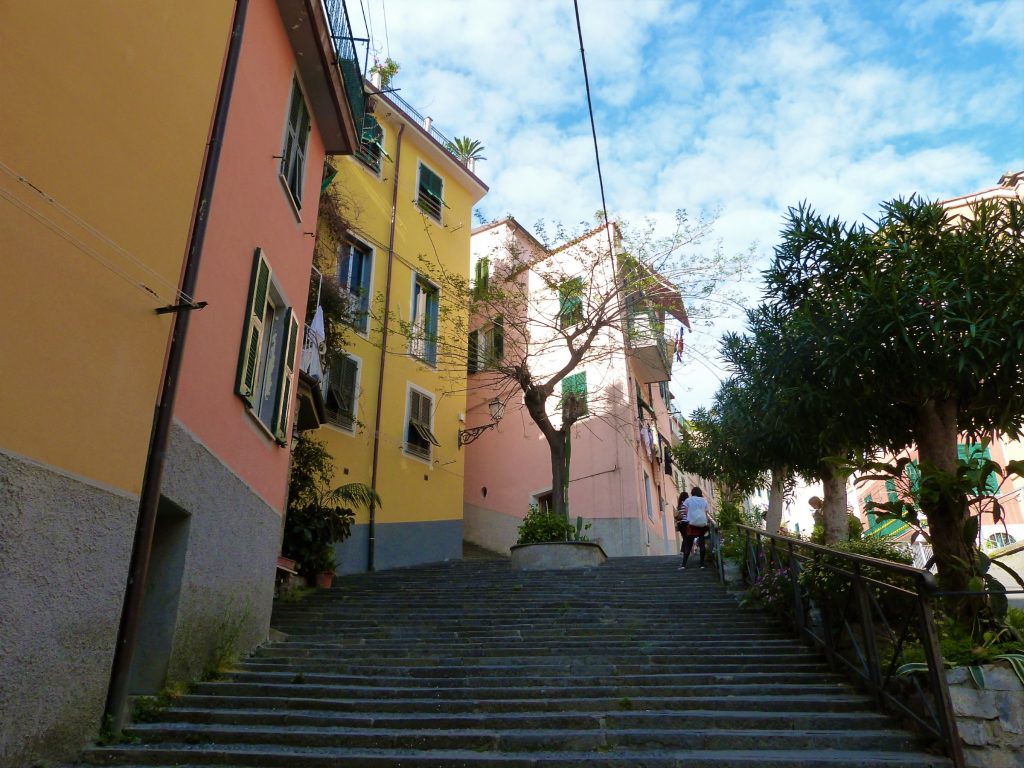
(621, 479)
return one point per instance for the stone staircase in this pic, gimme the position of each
(632, 664)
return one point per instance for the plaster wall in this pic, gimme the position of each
(251, 209)
(234, 536)
(65, 542)
(107, 108)
(406, 481)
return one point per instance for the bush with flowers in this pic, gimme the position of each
(772, 590)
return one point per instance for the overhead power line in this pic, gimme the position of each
(593, 129)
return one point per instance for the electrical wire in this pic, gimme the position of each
(387, 41)
(64, 234)
(593, 129)
(52, 201)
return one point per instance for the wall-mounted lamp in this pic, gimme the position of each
(497, 409)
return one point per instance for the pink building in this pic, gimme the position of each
(621, 481)
(224, 490)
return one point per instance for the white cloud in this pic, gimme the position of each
(732, 105)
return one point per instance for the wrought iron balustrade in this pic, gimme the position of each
(863, 621)
(352, 73)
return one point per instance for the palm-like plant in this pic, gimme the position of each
(466, 149)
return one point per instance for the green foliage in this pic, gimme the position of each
(466, 149)
(387, 70)
(318, 517)
(826, 585)
(148, 709)
(772, 590)
(541, 527)
(730, 514)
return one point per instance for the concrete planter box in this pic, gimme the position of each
(557, 555)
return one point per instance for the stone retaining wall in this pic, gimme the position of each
(990, 721)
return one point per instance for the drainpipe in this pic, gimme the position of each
(371, 539)
(149, 500)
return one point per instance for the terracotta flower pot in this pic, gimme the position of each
(325, 579)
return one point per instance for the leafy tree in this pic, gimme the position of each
(386, 70)
(918, 329)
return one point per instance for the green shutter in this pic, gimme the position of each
(499, 339)
(576, 384)
(471, 352)
(480, 282)
(890, 490)
(252, 332)
(872, 518)
(346, 391)
(282, 408)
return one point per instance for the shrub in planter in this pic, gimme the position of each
(543, 527)
(831, 589)
(773, 590)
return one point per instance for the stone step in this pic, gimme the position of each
(811, 719)
(522, 740)
(748, 702)
(284, 686)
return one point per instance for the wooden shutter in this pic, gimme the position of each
(252, 333)
(282, 408)
(347, 387)
(471, 354)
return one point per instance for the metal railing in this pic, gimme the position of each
(352, 73)
(863, 621)
(312, 358)
(426, 122)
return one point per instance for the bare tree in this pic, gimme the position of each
(537, 314)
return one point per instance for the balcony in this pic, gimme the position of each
(647, 348)
(325, 56)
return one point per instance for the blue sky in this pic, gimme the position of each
(741, 107)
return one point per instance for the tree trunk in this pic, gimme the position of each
(773, 520)
(559, 473)
(935, 432)
(833, 508)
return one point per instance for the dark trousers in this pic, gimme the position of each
(688, 547)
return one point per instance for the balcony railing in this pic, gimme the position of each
(352, 73)
(426, 122)
(312, 362)
(650, 350)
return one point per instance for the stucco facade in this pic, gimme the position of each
(107, 113)
(619, 482)
(407, 270)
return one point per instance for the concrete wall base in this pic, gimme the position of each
(557, 555)
(399, 545)
(64, 550)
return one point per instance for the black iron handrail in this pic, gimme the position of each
(853, 627)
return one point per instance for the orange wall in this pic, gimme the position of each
(250, 209)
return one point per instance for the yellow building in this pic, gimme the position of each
(395, 400)
(106, 115)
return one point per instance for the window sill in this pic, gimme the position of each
(295, 206)
(263, 428)
(417, 456)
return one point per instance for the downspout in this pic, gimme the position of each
(149, 499)
(371, 538)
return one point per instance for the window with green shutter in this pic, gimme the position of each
(419, 436)
(340, 402)
(355, 268)
(574, 393)
(872, 517)
(371, 144)
(296, 144)
(430, 193)
(425, 309)
(570, 302)
(266, 362)
(480, 278)
(974, 454)
(890, 490)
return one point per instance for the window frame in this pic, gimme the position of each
(425, 431)
(426, 205)
(423, 340)
(481, 278)
(568, 387)
(359, 321)
(294, 157)
(486, 346)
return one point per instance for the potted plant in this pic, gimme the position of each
(548, 541)
(318, 516)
